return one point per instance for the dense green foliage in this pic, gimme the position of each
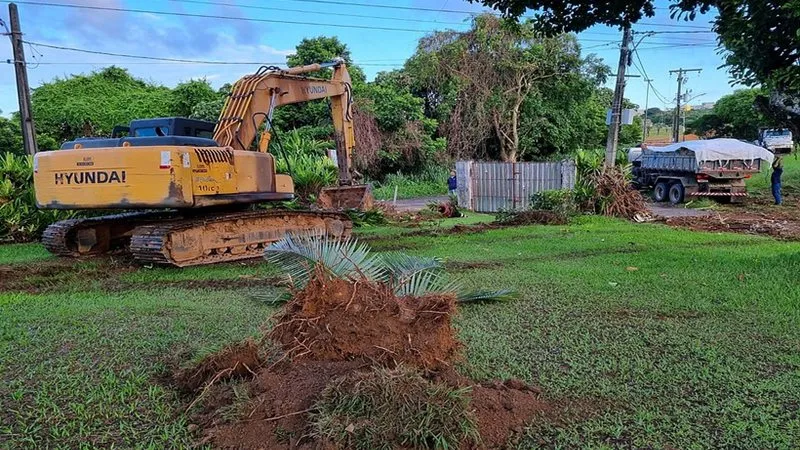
(734, 115)
(91, 105)
(20, 219)
(428, 183)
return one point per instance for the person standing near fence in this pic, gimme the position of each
(452, 183)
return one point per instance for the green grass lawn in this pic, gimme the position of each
(668, 338)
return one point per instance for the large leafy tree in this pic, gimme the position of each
(503, 91)
(91, 105)
(187, 95)
(497, 67)
(733, 115)
(760, 38)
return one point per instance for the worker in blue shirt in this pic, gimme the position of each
(777, 171)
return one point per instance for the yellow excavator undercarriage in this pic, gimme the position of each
(188, 197)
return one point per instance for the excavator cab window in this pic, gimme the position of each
(152, 131)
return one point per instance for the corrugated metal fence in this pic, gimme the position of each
(490, 186)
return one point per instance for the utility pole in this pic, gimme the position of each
(646, 105)
(23, 89)
(619, 95)
(676, 122)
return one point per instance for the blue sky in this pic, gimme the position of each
(207, 39)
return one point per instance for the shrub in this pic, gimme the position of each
(20, 219)
(297, 143)
(558, 201)
(310, 173)
(430, 181)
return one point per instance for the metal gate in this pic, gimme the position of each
(490, 186)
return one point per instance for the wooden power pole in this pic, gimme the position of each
(23, 89)
(619, 95)
(676, 122)
(649, 82)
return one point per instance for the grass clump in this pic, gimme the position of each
(394, 408)
(429, 183)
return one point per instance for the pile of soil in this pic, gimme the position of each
(338, 320)
(329, 331)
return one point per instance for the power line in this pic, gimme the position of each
(163, 60)
(305, 11)
(290, 22)
(207, 16)
(199, 63)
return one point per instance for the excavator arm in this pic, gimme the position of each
(254, 98)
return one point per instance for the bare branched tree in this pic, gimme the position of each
(494, 67)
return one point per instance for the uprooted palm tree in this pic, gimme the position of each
(347, 303)
(301, 257)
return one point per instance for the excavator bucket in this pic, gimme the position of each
(347, 197)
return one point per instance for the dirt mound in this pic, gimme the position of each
(284, 408)
(358, 366)
(238, 360)
(282, 398)
(337, 320)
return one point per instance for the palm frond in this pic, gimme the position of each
(426, 282)
(271, 298)
(399, 267)
(299, 255)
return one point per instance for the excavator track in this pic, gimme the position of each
(230, 236)
(97, 235)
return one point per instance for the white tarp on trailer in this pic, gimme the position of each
(719, 150)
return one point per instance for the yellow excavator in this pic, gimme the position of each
(188, 184)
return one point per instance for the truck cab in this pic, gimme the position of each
(777, 140)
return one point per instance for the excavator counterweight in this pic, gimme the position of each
(200, 177)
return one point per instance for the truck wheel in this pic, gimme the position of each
(661, 191)
(676, 193)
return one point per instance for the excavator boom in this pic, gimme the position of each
(254, 98)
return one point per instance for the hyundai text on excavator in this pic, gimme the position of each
(195, 189)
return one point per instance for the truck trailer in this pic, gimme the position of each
(715, 168)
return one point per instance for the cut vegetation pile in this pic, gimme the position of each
(614, 196)
(361, 356)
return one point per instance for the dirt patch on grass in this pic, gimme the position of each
(780, 224)
(65, 273)
(53, 275)
(207, 285)
(456, 229)
(503, 409)
(471, 265)
(357, 365)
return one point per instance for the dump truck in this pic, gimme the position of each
(715, 168)
(184, 188)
